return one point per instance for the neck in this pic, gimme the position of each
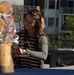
(31, 32)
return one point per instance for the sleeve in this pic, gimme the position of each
(44, 49)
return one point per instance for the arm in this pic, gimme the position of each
(44, 49)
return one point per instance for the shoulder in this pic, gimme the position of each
(43, 39)
(43, 36)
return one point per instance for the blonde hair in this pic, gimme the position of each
(42, 23)
(6, 8)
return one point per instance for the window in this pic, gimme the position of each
(70, 3)
(34, 2)
(31, 2)
(51, 4)
(50, 21)
(25, 0)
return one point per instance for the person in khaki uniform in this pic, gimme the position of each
(7, 34)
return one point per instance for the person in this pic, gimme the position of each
(7, 37)
(33, 41)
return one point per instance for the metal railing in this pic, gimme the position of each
(21, 8)
(65, 27)
(67, 10)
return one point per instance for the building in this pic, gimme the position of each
(55, 12)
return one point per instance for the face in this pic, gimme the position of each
(29, 22)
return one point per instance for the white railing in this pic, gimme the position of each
(66, 10)
(65, 27)
(20, 8)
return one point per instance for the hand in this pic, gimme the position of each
(22, 51)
